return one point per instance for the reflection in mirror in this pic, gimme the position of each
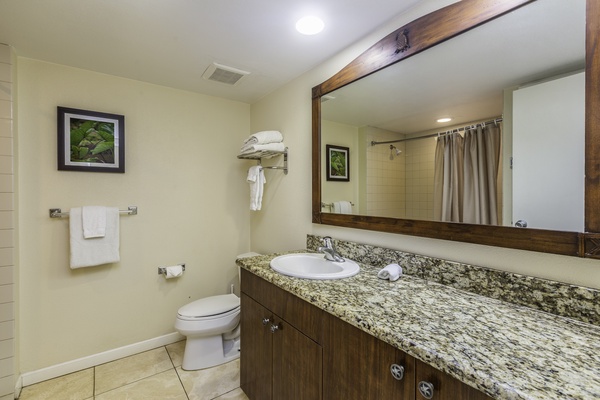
(520, 74)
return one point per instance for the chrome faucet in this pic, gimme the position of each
(329, 249)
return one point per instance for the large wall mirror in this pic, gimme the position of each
(514, 167)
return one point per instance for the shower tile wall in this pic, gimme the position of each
(385, 178)
(7, 234)
(419, 157)
(402, 187)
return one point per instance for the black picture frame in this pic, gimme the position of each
(338, 163)
(90, 141)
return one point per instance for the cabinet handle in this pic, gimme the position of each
(426, 389)
(265, 321)
(397, 371)
(275, 328)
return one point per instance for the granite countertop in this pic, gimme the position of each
(505, 350)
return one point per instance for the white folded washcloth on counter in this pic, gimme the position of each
(255, 148)
(391, 272)
(264, 137)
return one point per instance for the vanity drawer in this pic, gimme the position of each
(302, 315)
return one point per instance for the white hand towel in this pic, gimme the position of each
(256, 179)
(345, 207)
(336, 207)
(94, 251)
(391, 272)
(93, 219)
(264, 137)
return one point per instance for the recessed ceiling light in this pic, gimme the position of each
(310, 25)
(444, 120)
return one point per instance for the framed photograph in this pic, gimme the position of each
(338, 163)
(90, 141)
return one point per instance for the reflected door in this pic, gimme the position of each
(548, 126)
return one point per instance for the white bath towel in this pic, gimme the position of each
(93, 219)
(253, 148)
(264, 137)
(94, 251)
(342, 207)
(256, 179)
(391, 272)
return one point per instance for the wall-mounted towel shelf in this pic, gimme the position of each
(259, 155)
(57, 212)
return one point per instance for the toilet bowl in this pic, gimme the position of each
(211, 326)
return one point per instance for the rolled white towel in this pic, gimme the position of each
(391, 272)
(264, 137)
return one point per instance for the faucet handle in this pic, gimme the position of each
(328, 241)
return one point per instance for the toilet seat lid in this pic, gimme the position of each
(208, 306)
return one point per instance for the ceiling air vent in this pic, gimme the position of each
(224, 74)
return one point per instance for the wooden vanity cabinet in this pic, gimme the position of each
(357, 365)
(281, 356)
(293, 350)
(444, 386)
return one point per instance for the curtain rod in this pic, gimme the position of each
(493, 121)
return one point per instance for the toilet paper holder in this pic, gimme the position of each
(163, 270)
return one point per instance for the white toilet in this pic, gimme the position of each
(212, 328)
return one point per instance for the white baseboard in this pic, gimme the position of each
(54, 371)
(18, 387)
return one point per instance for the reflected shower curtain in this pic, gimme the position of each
(448, 179)
(466, 174)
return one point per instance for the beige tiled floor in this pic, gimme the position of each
(152, 375)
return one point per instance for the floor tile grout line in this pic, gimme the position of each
(182, 385)
(177, 373)
(135, 381)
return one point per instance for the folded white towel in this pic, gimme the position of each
(391, 272)
(94, 251)
(256, 179)
(264, 137)
(93, 219)
(253, 148)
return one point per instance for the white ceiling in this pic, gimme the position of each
(464, 78)
(172, 42)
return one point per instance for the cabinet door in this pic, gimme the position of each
(443, 386)
(297, 365)
(256, 353)
(357, 366)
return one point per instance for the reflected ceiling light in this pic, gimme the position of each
(441, 120)
(309, 25)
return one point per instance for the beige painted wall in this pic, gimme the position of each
(288, 220)
(182, 173)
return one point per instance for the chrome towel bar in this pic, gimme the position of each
(57, 212)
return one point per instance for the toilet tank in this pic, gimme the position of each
(244, 255)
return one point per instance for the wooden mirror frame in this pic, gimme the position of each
(429, 31)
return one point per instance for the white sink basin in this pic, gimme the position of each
(313, 266)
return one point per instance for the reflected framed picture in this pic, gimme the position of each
(338, 163)
(90, 141)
